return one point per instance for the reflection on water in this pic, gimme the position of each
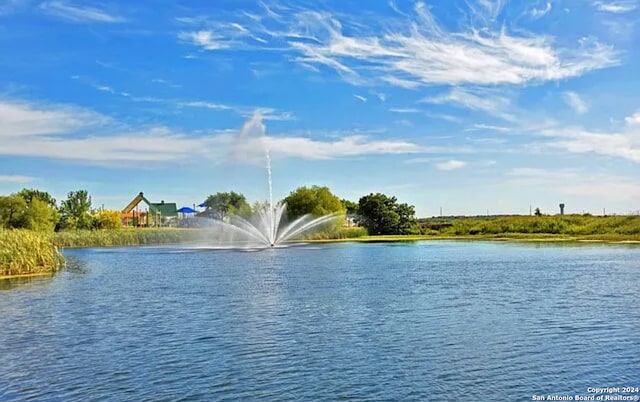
(11, 283)
(414, 321)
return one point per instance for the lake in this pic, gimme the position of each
(402, 321)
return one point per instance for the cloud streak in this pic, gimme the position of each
(576, 102)
(15, 179)
(616, 7)
(62, 132)
(411, 51)
(78, 14)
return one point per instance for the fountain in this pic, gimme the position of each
(267, 227)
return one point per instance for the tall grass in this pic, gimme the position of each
(570, 225)
(25, 252)
(341, 233)
(124, 237)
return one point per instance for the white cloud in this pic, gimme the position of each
(616, 7)
(24, 120)
(360, 98)
(482, 127)
(404, 110)
(205, 39)
(81, 14)
(206, 105)
(485, 100)
(451, 165)
(623, 144)
(633, 120)
(541, 12)
(62, 132)
(576, 102)
(15, 179)
(411, 51)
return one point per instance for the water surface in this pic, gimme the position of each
(415, 321)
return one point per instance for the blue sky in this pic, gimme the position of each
(470, 105)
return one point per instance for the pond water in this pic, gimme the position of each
(416, 321)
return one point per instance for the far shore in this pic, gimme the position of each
(517, 237)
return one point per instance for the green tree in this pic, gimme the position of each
(12, 211)
(383, 215)
(29, 194)
(315, 200)
(350, 206)
(39, 215)
(537, 212)
(76, 210)
(222, 205)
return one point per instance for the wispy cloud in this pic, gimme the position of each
(623, 143)
(616, 7)
(404, 110)
(485, 100)
(541, 12)
(633, 120)
(63, 132)
(80, 14)
(360, 98)
(576, 102)
(206, 105)
(451, 165)
(410, 51)
(204, 39)
(15, 179)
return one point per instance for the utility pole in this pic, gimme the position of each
(441, 212)
(530, 210)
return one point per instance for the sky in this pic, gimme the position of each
(469, 106)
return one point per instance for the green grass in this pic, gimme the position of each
(25, 252)
(123, 237)
(567, 225)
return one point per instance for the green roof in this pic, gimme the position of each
(166, 209)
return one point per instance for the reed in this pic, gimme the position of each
(124, 237)
(25, 252)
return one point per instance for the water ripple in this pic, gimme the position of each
(422, 321)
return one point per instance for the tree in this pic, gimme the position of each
(383, 215)
(537, 212)
(17, 213)
(39, 215)
(350, 206)
(30, 194)
(75, 210)
(12, 211)
(222, 205)
(106, 219)
(40, 218)
(315, 200)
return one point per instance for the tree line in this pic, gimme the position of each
(380, 214)
(38, 210)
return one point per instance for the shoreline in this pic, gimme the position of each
(497, 238)
(4, 277)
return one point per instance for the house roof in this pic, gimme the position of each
(166, 208)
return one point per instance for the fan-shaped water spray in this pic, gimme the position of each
(267, 227)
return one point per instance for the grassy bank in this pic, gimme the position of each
(123, 237)
(522, 228)
(25, 253)
(567, 225)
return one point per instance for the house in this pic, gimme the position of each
(156, 214)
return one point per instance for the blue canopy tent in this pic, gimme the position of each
(204, 204)
(184, 212)
(187, 210)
